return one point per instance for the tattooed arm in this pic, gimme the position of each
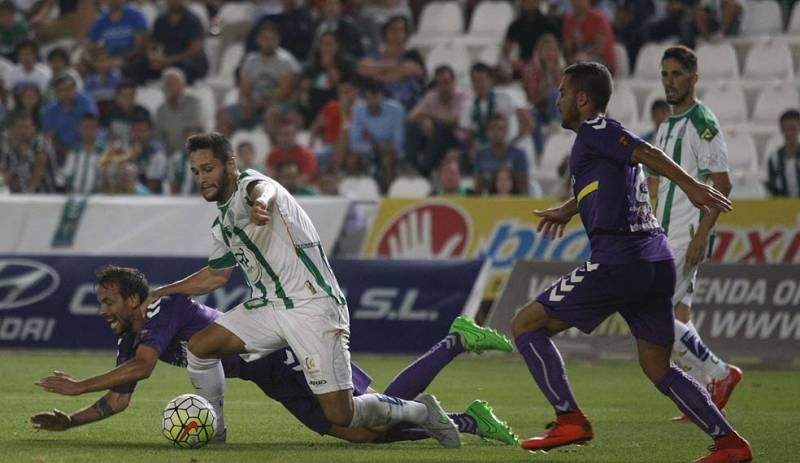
(110, 404)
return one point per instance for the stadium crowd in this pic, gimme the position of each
(98, 97)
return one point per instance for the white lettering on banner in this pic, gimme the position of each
(787, 293)
(730, 291)
(79, 305)
(24, 282)
(750, 324)
(24, 329)
(377, 303)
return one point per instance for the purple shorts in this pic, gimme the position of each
(641, 292)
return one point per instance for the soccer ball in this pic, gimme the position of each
(189, 421)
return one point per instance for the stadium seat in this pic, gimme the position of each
(622, 106)
(742, 156)
(235, 12)
(794, 21)
(231, 57)
(491, 18)
(648, 64)
(623, 63)
(151, 97)
(208, 103)
(762, 17)
(717, 61)
(557, 147)
(410, 187)
(768, 60)
(657, 93)
(773, 100)
(728, 103)
(360, 187)
(441, 18)
(231, 97)
(150, 12)
(490, 54)
(201, 12)
(453, 54)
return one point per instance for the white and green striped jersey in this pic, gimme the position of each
(81, 171)
(695, 142)
(283, 260)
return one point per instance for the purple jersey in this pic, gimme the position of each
(612, 195)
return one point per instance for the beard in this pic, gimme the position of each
(222, 186)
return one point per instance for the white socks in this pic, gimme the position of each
(380, 410)
(691, 354)
(208, 379)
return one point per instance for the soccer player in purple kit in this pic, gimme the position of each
(170, 322)
(631, 270)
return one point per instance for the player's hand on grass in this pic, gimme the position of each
(706, 198)
(60, 383)
(553, 223)
(262, 208)
(51, 421)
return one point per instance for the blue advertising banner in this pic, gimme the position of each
(395, 306)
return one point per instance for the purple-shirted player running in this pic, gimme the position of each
(631, 270)
(163, 332)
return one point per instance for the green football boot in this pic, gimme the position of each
(489, 425)
(478, 338)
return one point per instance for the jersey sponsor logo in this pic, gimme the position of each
(426, 230)
(624, 141)
(25, 282)
(708, 134)
(39, 329)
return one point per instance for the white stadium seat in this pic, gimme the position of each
(151, 97)
(728, 103)
(768, 60)
(623, 63)
(794, 21)
(260, 142)
(762, 17)
(410, 187)
(201, 12)
(491, 18)
(648, 63)
(453, 54)
(360, 187)
(557, 147)
(717, 61)
(208, 103)
(773, 100)
(441, 19)
(742, 157)
(231, 57)
(623, 106)
(657, 93)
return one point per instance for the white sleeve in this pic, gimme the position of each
(712, 154)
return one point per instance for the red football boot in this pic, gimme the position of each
(731, 448)
(721, 389)
(569, 428)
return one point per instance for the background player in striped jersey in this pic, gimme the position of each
(162, 333)
(296, 300)
(693, 139)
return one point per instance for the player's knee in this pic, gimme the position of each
(200, 347)
(340, 416)
(529, 318)
(683, 312)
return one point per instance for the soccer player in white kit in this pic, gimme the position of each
(693, 138)
(296, 300)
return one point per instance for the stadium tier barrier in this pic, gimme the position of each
(751, 313)
(503, 231)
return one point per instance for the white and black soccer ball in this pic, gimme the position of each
(189, 421)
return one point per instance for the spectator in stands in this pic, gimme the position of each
(541, 76)
(28, 100)
(718, 17)
(328, 182)
(289, 174)
(52, 20)
(148, 154)
(62, 117)
(400, 69)
(58, 60)
(588, 35)
(176, 41)
(659, 112)
(498, 153)
(295, 30)
(288, 149)
(121, 29)
(81, 172)
(382, 11)
(630, 25)
(26, 158)
(486, 102)
(434, 120)
(377, 135)
(122, 112)
(332, 125)
(783, 165)
(13, 30)
(322, 75)
(343, 28)
(448, 177)
(103, 81)
(505, 182)
(179, 110)
(28, 68)
(246, 155)
(179, 172)
(268, 78)
(123, 179)
(524, 32)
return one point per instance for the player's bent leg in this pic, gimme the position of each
(215, 341)
(355, 435)
(337, 406)
(653, 359)
(533, 317)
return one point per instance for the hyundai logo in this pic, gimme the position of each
(24, 282)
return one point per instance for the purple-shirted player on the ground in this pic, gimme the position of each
(631, 269)
(170, 322)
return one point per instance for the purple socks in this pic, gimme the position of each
(547, 368)
(416, 377)
(694, 402)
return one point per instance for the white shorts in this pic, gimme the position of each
(317, 330)
(685, 276)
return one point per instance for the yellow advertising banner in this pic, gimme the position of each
(503, 230)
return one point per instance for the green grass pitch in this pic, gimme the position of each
(630, 418)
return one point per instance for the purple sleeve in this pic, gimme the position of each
(610, 139)
(126, 349)
(161, 324)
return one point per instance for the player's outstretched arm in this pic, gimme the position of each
(555, 219)
(702, 196)
(262, 195)
(138, 368)
(110, 404)
(203, 281)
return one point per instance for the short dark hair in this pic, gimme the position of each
(28, 44)
(87, 116)
(395, 18)
(496, 117)
(371, 86)
(659, 103)
(58, 53)
(789, 114)
(142, 119)
(683, 55)
(444, 69)
(268, 26)
(63, 78)
(216, 142)
(480, 66)
(129, 281)
(126, 85)
(593, 79)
